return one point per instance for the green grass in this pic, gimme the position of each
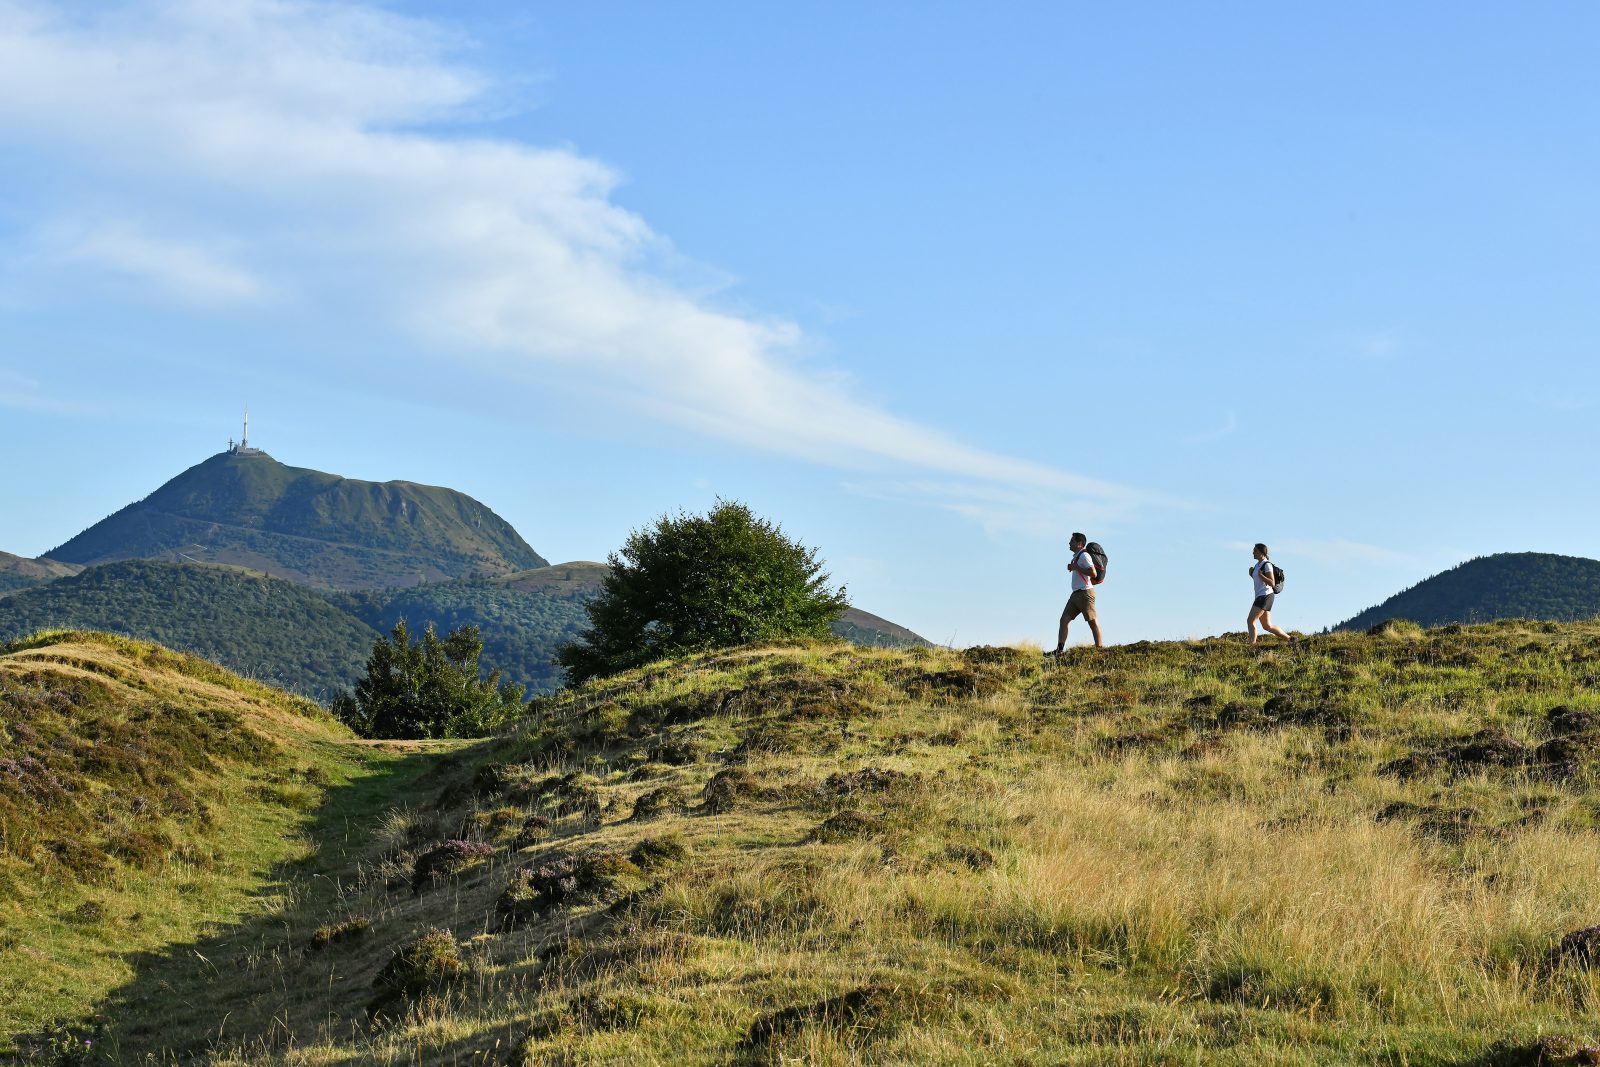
(145, 797)
(1362, 850)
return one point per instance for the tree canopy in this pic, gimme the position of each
(692, 582)
(428, 688)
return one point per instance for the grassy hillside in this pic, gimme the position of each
(314, 528)
(1510, 585)
(19, 572)
(145, 798)
(1365, 849)
(267, 628)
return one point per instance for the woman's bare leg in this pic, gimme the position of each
(1266, 624)
(1250, 622)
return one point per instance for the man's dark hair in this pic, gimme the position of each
(1077, 537)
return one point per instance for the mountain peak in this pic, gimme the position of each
(245, 508)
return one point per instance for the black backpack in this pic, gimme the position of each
(1277, 578)
(1097, 555)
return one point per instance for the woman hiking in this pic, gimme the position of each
(1263, 574)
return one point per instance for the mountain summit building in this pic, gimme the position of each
(242, 446)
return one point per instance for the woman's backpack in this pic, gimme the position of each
(1277, 579)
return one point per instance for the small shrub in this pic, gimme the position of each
(677, 751)
(725, 789)
(535, 828)
(89, 913)
(1552, 1050)
(425, 967)
(1580, 948)
(657, 801)
(656, 852)
(562, 879)
(859, 1016)
(447, 858)
(847, 826)
(568, 794)
(866, 780)
(491, 823)
(337, 933)
(973, 856)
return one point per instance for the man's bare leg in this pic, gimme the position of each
(1094, 628)
(1061, 635)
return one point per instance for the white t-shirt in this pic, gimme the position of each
(1264, 575)
(1079, 579)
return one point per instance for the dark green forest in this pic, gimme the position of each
(314, 642)
(264, 628)
(1509, 585)
(520, 629)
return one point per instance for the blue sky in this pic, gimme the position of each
(931, 285)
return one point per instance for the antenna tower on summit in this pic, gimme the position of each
(242, 447)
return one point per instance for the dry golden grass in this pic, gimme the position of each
(1165, 853)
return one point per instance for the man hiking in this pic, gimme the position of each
(1264, 575)
(1081, 602)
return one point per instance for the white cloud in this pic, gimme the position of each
(185, 271)
(307, 132)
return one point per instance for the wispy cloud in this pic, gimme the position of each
(307, 129)
(184, 271)
(1229, 425)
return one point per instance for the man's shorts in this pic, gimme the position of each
(1263, 603)
(1081, 602)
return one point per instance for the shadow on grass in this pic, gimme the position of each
(259, 983)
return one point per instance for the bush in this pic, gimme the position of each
(426, 966)
(428, 688)
(697, 582)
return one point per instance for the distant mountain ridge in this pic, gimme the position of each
(288, 575)
(20, 572)
(247, 509)
(316, 642)
(1507, 585)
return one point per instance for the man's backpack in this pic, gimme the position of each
(1097, 556)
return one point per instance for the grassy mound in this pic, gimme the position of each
(1368, 848)
(144, 794)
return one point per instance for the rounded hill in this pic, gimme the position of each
(1508, 585)
(249, 510)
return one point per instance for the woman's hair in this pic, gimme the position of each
(1261, 550)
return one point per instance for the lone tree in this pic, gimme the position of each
(695, 582)
(427, 688)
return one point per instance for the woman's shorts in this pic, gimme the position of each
(1263, 603)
